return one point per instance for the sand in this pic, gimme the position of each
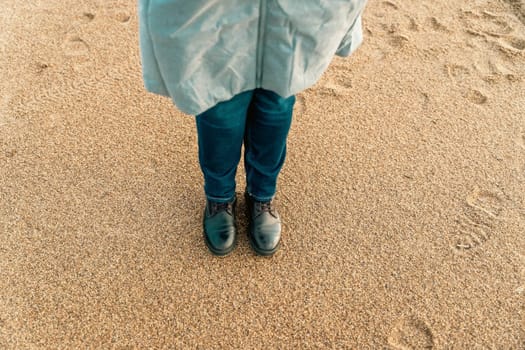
(402, 197)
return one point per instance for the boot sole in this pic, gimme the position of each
(262, 252)
(217, 252)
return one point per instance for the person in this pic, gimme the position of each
(237, 66)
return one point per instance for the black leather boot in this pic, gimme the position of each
(264, 232)
(220, 233)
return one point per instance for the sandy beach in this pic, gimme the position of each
(402, 197)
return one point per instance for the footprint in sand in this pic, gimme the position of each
(385, 8)
(377, 53)
(398, 41)
(518, 8)
(120, 14)
(481, 213)
(88, 16)
(424, 98)
(472, 232)
(75, 46)
(411, 333)
(337, 83)
(395, 29)
(78, 21)
(437, 25)
(122, 17)
(517, 43)
(486, 201)
(41, 67)
(412, 24)
(390, 4)
(498, 72)
(511, 46)
(457, 71)
(475, 96)
(486, 23)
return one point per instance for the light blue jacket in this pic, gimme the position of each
(202, 52)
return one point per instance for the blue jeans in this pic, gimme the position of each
(259, 118)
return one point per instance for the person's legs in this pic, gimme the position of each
(269, 120)
(220, 135)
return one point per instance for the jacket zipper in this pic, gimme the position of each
(260, 43)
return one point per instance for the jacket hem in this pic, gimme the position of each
(156, 88)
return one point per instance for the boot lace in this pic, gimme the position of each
(218, 207)
(266, 206)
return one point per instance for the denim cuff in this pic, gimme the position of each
(220, 199)
(261, 199)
